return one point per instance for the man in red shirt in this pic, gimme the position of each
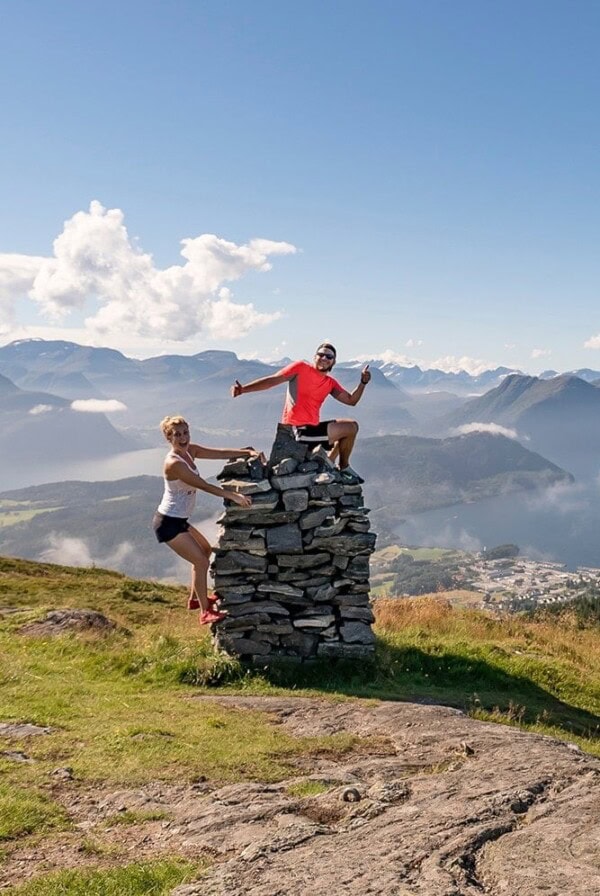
(308, 387)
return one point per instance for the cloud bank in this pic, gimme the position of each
(494, 428)
(452, 364)
(95, 265)
(98, 405)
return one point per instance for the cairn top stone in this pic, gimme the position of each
(285, 446)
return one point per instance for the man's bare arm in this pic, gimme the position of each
(259, 385)
(352, 398)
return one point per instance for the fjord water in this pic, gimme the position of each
(561, 523)
(144, 462)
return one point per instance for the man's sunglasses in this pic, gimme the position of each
(327, 355)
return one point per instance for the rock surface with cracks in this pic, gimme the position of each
(431, 803)
(455, 807)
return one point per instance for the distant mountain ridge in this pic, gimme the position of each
(408, 474)
(42, 427)
(559, 416)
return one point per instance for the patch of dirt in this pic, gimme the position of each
(60, 622)
(505, 813)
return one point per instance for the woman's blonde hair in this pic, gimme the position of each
(169, 423)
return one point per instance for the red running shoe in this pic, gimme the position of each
(210, 616)
(194, 603)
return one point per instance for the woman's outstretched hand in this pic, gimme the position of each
(236, 389)
(242, 500)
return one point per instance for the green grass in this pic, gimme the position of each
(308, 788)
(23, 810)
(139, 879)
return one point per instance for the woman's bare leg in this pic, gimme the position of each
(186, 546)
(206, 548)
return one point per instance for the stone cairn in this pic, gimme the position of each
(293, 570)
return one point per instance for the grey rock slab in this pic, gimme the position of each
(357, 632)
(271, 607)
(329, 490)
(244, 646)
(285, 467)
(306, 561)
(277, 628)
(58, 622)
(295, 499)
(23, 729)
(255, 546)
(271, 518)
(347, 544)
(362, 614)
(284, 539)
(239, 561)
(327, 531)
(313, 518)
(246, 622)
(246, 486)
(308, 466)
(285, 446)
(295, 480)
(280, 588)
(304, 622)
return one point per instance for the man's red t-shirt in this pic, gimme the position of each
(307, 390)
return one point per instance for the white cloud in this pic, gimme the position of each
(388, 357)
(71, 551)
(413, 343)
(452, 364)
(41, 409)
(592, 342)
(95, 264)
(17, 273)
(541, 353)
(494, 428)
(98, 405)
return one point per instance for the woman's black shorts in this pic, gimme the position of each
(167, 527)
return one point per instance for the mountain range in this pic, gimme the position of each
(555, 414)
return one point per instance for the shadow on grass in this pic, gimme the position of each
(408, 673)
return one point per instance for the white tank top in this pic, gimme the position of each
(178, 498)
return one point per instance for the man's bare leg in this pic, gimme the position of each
(342, 434)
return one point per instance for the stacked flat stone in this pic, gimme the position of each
(292, 571)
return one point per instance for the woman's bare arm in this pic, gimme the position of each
(204, 453)
(179, 470)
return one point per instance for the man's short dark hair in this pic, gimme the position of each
(328, 345)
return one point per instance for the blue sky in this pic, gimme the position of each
(435, 166)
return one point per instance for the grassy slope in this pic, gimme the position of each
(121, 709)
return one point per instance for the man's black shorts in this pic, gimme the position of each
(313, 435)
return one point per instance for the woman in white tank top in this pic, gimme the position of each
(170, 522)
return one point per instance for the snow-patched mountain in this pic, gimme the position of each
(418, 380)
